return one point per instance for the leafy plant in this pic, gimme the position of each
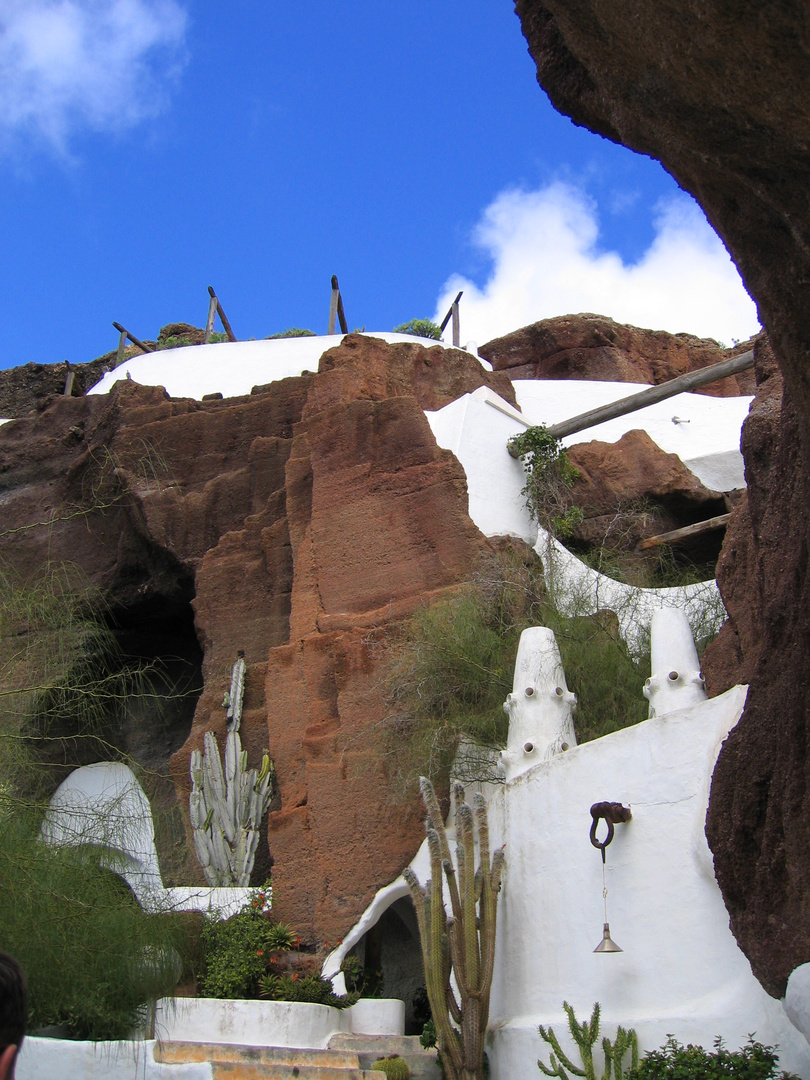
(427, 1039)
(549, 479)
(425, 328)
(310, 988)
(174, 341)
(359, 980)
(585, 1036)
(292, 332)
(676, 1062)
(236, 951)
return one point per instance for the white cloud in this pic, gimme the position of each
(72, 64)
(546, 262)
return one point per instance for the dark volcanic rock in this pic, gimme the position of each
(595, 347)
(717, 93)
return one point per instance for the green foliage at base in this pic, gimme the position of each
(676, 1062)
(394, 1067)
(93, 958)
(585, 1036)
(425, 328)
(237, 951)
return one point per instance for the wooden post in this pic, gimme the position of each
(71, 375)
(122, 344)
(336, 309)
(689, 381)
(222, 316)
(132, 338)
(686, 532)
(333, 305)
(209, 322)
(452, 313)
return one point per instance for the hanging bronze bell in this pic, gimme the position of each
(607, 944)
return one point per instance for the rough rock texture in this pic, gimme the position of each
(296, 522)
(733, 657)
(595, 347)
(716, 91)
(632, 489)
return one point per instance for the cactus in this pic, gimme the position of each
(585, 1036)
(459, 947)
(226, 806)
(394, 1067)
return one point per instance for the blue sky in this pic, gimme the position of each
(149, 148)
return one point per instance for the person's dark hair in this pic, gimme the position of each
(13, 1002)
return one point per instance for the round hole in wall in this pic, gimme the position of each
(528, 748)
(564, 746)
(558, 690)
(673, 676)
(529, 691)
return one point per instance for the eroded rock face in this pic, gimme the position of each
(712, 91)
(595, 347)
(632, 489)
(296, 522)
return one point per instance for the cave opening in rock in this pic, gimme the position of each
(157, 636)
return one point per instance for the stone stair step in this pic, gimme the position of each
(424, 1064)
(176, 1053)
(247, 1070)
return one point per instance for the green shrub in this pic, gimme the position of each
(425, 328)
(93, 958)
(676, 1062)
(292, 332)
(236, 951)
(174, 341)
(452, 664)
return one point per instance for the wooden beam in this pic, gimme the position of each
(341, 315)
(223, 318)
(456, 326)
(685, 533)
(683, 383)
(133, 339)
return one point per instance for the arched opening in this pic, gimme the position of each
(390, 951)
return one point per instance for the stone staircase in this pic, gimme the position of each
(424, 1064)
(232, 1062)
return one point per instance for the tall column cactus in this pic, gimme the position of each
(226, 806)
(459, 948)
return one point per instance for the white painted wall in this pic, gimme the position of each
(61, 1059)
(104, 805)
(681, 970)
(233, 368)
